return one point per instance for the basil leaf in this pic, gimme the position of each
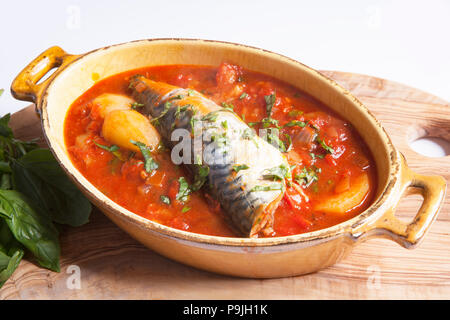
(200, 178)
(9, 263)
(324, 145)
(294, 123)
(167, 106)
(314, 156)
(277, 173)
(240, 167)
(289, 142)
(5, 167)
(165, 199)
(183, 191)
(275, 186)
(185, 209)
(11, 252)
(267, 122)
(270, 101)
(295, 113)
(228, 106)
(307, 176)
(272, 138)
(149, 163)
(37, 233)
(210, 117)
(136, 105)
(243, 96)
(111, 149)
(5, 130)
(40, 178)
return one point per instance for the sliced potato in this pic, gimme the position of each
(347, 200)
(108, 102)
(121, 126)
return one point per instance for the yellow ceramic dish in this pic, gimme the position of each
(256, 258)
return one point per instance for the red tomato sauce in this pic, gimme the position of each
(328, 154)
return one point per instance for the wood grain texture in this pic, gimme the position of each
(115, 266)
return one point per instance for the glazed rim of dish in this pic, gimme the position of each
(98, 198)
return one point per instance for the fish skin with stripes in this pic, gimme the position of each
(236, 158)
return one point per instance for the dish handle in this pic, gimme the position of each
(409, 235)
(26, 85)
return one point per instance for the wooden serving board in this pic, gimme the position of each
(112, 265)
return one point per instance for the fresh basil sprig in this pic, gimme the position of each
(35, 193)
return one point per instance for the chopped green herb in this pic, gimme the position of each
(167, 106)
(185, 209)
(327, 148)
(200, 177)
(289, 142)
(270, 101)
(183, 191)
(272, 187)
(198, 159)
(294, 123)
(248, 134)
(272, 138)
(243, 96)
(179, 110)
(111, 149)
(314, 156)
(239, 167)
(228, 105)
(295, 113)
(190, 92)
(136, 105)
(149, 163)
(177, 97)
(307, 176)
(277, 173)
(220, 139)
(267, 122)
(165, 199)
(210, 117)
(225, 124)
(192, 123)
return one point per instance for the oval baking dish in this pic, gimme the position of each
(245, 257)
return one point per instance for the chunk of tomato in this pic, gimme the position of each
(227, 74)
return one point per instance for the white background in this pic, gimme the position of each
(405, 41)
